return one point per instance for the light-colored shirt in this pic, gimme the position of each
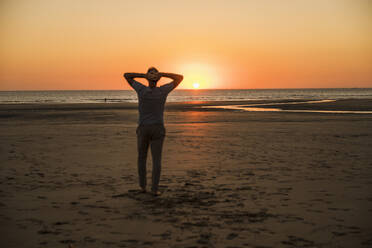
(151, 102)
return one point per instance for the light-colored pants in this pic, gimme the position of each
(150, 135)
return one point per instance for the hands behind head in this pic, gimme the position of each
(153, 76)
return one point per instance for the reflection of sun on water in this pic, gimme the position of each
(195, 85)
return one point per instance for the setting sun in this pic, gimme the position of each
(200, 75)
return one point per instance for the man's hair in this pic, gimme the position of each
(152, 69)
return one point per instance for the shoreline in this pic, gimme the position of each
(285, 104)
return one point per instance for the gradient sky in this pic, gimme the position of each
(71, 44)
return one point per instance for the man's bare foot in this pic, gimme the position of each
(156, 193)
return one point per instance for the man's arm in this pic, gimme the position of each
(130, 76)
(177, 78)
(137, 86)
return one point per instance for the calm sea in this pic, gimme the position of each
(99, 96)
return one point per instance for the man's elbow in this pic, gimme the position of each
(180, 78)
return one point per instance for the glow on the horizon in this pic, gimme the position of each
(200, 75)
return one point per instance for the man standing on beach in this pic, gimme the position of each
(150, 130)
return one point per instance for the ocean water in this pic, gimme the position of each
(261, 108)
(101, 96)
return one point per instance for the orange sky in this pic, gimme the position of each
(69, 44)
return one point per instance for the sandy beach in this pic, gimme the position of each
(229, 178)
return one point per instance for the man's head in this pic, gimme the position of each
(152, 76)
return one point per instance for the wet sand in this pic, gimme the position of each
(229, 178)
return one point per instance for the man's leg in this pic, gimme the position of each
(142, 148)
(156, 150)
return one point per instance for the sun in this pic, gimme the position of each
(199, 75)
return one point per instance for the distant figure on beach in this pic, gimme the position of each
(150, 130)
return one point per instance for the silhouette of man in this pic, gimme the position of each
(150, 130)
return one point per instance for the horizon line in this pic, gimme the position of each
(200, 89)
